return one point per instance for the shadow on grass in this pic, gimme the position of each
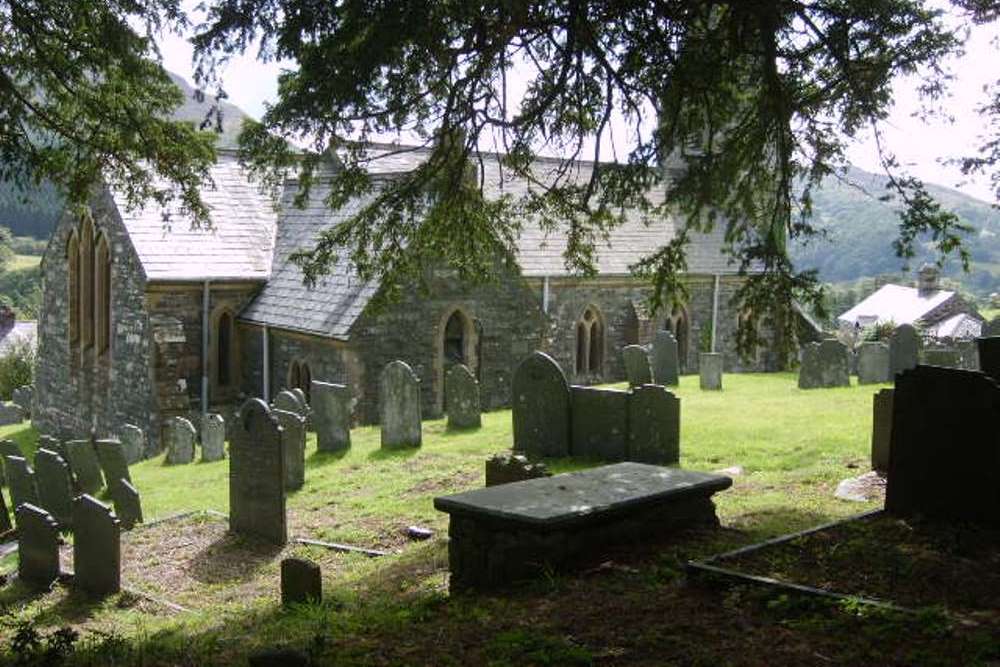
(71, 606)
(318, 458)
(26, 438)
(231, 558)
(398, 453)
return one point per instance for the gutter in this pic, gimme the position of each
(715, 309)
(266, 373)
(205, 296)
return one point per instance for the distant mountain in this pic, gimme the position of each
(196, 112)
(859, 230)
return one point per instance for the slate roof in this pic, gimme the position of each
(238, 246)
(895, 303)
(962, 325)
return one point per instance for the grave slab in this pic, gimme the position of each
(637, 368)
(507, 468)
(881, 429)
(301, 581)
(37, 547)
(257, 475)
(97, 560)
(55, 487)
(21, 481)
(111, 456)
(84, 465)
(873, 363)
(666, 361)
(128, 505)
(710, 371)
(654, 426)
(599, 423)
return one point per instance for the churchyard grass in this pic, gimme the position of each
(794, 447)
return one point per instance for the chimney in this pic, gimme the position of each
(927, 279)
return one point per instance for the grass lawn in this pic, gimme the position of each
(18, 262)
(793, 445)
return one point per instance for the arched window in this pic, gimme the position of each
(454, 339)
(590, 343)
(300, 377)
(294, 375)
(743, 320)
(102, 292)
(73, 286)
(224, 350)
(87, 282)
(679, 325)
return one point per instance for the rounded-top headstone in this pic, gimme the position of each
(288, 401)
(399, 399)
(213, 437)
(461, 391)
(904, 349)
(257, 475)
(134, 441)
(181, 435)
(541, 407)
(666, 361)
(332, 404)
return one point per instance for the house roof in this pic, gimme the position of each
(897, 304)
(239, 245)
(962, 325)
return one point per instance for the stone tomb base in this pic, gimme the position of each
(515, 531)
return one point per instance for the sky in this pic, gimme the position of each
(922, 147)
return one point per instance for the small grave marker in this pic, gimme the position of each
(301, 581)
(710, 370)
(293, 444)
(21, 480)
(462, 398)
(507, 468)
(134, 441)
(904, 349)
(213, 437)
(180, 441)
(128, 505)
(37, 547)
(97, 562)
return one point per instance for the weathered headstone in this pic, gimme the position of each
(541, 407)
(257, 475)
(824, 364)
(128, 504)
(97, 557)
(945, 357)
(637, 369)
(307, 412)
(399, 400)
(873, 363)
(666, 360)
(654, 423)
(134, 441)
(293, 444)
(332, 405)
(5, 524)
(37, 547)
(213, 437)
(53, 445)
(301, 581)
(599, 423)
(881, 429)
(10, 414)
(7, 448)
(21, 481)
(710, 370)
(943, 454)
(111, 455)
(904, 349)
(180, 437)
(55, 486)
(461, 392)
(968, 354)
(507, 468)
(989, 358)
(82, 460)
(23, 397)
(288, 401)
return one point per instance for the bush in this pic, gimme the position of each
(17, 367)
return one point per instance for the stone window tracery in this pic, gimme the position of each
(73, 286)
(87, 283)
(102, 295)
(590, 343)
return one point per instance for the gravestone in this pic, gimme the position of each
(288, 401)
(943, 452)
(637, 368)
(257, 475)
(180, 437)
(111, 455)
(461, 390)
(21, 481)
(541, 407)
(945, 357)
(989, 358)
(97, 552)
(134, 441)
(307, 412)
(293, 444)
(654, 424)
(881, 429)
(128, 505)
(5, 524)
(599, 423)
(37, 547)
(332, 405)
(82, 460)
(710, 370)
(53, 445)
(399, 399)
(7, 448)
(55, 487)
(507, 468)
(213, 437)
(904, 349)
(873, 363)
(23, 397)
(10, 414)
(968, 354)
(301, 581)
(824, 364)
(666, 361)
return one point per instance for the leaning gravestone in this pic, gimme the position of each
(293, 444)
(301, 581)
(710, 370)
(599, 423)
(180, 441)
(637, 368)
(943, 454)
(873, 363)
(97, 552)
(654, 422)
(507, 468)
(332, 416)
(399, 399)
(257, 475)
(21, 480)
(666, 361)
(22, 397)
(55, 487)
(111, 455)
(134, 441)
(461, 391)
(541, 407)
(128, 505)
(904, 349)
(85, 466)
(213, 437)
(881, 429)
(824, 364)
(37, 547)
